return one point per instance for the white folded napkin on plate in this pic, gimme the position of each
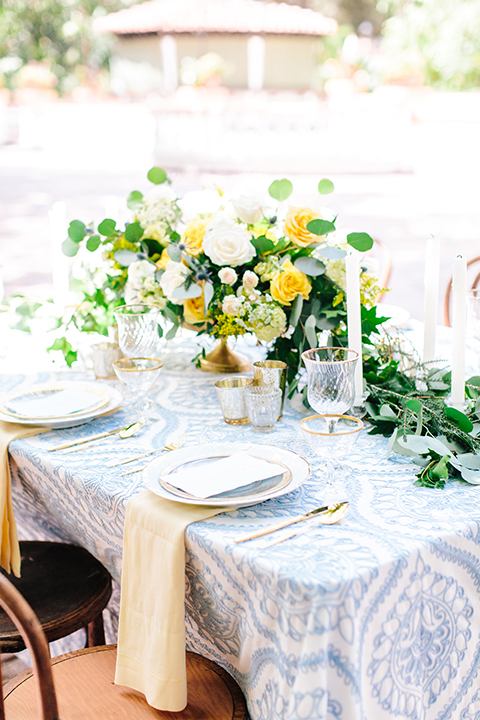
(219, 476)
(56, 404)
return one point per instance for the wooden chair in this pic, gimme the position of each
(384, 256)
(474, 287)
(80, 684)
(66, 587)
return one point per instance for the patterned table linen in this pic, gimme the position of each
(374, 618)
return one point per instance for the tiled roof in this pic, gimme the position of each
(215, 16)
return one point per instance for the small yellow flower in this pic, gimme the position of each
(193, 236)
(164, 259)
(286, 285)
(296, 226)
(193, 310)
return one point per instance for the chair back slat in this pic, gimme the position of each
(26, 621)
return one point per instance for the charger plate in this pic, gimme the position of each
(295, 471)
(100, 398)
(114, 400)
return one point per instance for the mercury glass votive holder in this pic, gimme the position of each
(273, 373)
(263, 406)
(231, 396)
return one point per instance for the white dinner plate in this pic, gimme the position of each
(114, 401)
(82, 398)
(158, 470)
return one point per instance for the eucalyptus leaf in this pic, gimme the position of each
(391, 442)
(459, 418)
(134, 200)
(262, 244)
(320, 227)
(107, 227)
(468, 460)
(124, 257)
(93, 242)
(171, 333)
(133, 232)
(414, 405)
(386, 411)
(171, 315)
(157, 175)
(471, 476)
(331, 253)
(414, 444)
(310, 331)
(325, 187)
(77, 230)
(184, 293)
(70, 248)
(158, 274)
(296, 310)
(174, 253)
(310, 266)
(280, 189)
(360, 241)
(207, 296)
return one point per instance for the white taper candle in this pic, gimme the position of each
(432, 269)
(459, 316)
(354, 318)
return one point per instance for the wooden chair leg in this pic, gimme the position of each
(96, 632)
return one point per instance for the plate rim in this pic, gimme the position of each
(236, 446)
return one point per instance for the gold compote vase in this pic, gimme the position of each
(223, 360)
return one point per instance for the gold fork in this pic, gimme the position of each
(174, 445)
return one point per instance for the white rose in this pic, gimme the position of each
(227, 275)
(162, 192)
(232, 305)
(139, 272)
(174, 276)
(250, 280)
(250, 208)
(227, 244)
(132, 295)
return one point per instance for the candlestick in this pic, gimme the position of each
(354, 319)
(432, 269)
(459, 312)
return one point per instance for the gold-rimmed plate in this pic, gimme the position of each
(89, 399)
(156, 472)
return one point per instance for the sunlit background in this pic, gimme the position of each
(380, 97)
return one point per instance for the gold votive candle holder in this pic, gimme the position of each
(231, 395)
(271, 372)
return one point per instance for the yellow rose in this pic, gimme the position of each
(193, 310)
(286, 285)
(164, 259)
(193, 236)
(296, 226)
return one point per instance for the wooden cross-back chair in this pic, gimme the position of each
(81, 684)
(473, 265)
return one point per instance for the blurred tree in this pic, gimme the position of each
(353, 13)
(57, 33)
(437, 41)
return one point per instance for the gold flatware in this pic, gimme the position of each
(181, 439)
(330, 509)
(174, 445)
(331, 517)
(126, 431)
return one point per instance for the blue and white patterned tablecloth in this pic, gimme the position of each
(375, 618)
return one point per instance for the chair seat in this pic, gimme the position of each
(64, 584)
(84, 685)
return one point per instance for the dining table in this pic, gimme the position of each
(375, 617)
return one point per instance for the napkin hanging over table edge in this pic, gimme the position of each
(151, 632)
(9, 548)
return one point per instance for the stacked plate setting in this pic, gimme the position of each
(60, 404)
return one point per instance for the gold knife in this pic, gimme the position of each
(291, 521)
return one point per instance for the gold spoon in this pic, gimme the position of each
(124, 432)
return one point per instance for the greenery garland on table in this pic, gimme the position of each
(247, 263)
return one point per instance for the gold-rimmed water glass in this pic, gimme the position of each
(331, 437)
(139, 375)
(273, 373)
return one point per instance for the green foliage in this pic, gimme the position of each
(325, 187)
(320, 227)
(280, 189)
(157, 175)
(65, 348)
(360, 241)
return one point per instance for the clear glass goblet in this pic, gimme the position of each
(139, 376)
(331, 442)
(138, 329)
(331, 373)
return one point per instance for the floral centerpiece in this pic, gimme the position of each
(225, 265)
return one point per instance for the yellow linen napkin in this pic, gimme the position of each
(9, 549)
(151, 633)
